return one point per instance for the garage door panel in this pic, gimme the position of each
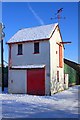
(36, 81)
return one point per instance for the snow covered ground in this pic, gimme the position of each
(60, 105)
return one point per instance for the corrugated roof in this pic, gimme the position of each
(72, 64)
(28, 66)
(34, 33)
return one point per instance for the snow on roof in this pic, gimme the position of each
(34, 33)
(28, 66)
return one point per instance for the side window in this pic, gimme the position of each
(57, 76)
(20, 49)
(36, 47)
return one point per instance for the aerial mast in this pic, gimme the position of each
(59, 17)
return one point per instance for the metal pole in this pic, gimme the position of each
(2, 65)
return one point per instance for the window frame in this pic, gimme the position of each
(20, 52)
(36, 47)
(58, 76)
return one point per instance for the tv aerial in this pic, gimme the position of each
(58, 15)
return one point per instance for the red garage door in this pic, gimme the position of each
(36, 81)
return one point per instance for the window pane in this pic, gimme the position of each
(36, 47)
(58, 76)
(19, 49)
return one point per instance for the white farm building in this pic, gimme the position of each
(36, 63)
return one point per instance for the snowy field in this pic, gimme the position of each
(60, 105)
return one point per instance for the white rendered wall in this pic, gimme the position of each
(46, 56)
(29, 58)
(19, 81)
(54, 63)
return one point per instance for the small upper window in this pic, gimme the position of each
(19, 49)
(36, 47)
